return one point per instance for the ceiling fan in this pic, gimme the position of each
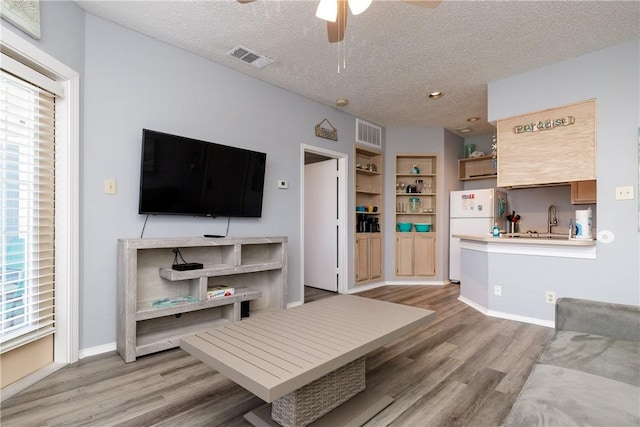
(335, 13)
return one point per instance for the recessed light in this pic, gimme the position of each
(473, 119)
(436, 95)
(342, 102)
(464, 130)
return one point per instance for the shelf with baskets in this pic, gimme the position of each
(416, 210)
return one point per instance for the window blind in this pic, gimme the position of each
(27, 211)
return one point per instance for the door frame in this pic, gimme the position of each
(342, 159)
(66, 338)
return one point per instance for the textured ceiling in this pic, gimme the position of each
(395, 53)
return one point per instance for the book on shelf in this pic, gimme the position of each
(219, 292)
(173, 301)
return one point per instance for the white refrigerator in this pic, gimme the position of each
(473, 212)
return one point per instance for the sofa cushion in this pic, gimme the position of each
(614, 359)
(556, 396)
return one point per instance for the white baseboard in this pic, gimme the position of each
(508, 316)
(417, 283)
(294, 304)
(94, 351)
(375, 285)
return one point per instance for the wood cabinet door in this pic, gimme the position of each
(362, 257)
(425, 251)
(375, 256)
(583, 192)
(404, 254)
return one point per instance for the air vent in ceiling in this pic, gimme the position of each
(248, 57)
(368, 134)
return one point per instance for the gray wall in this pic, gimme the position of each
(135, 82)
(611, 76)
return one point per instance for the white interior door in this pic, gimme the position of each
(321, 225)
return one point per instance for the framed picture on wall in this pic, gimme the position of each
(24, 14)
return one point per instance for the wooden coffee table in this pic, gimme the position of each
(320, 345)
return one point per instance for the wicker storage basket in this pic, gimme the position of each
(305, 405)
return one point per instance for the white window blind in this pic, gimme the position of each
(27, 198)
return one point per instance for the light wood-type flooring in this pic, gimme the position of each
(463, 369)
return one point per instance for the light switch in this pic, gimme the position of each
(110, 186)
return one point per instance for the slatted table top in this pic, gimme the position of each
(275, 353)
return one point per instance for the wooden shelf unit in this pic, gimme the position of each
(477, 168)
(368, 192)
(255, 267)
(415, 252)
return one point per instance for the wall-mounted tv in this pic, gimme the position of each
(184, 176)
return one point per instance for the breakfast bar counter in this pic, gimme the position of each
(518, 278)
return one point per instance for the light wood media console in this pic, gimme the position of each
(255, 266)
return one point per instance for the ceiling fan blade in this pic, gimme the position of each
(245, 1)
(431, 4)
(335, 30)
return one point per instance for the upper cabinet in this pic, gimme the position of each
(583, 192)
(477, 168)
(553, 146)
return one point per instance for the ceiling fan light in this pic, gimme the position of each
(358, 6)
(327, 10)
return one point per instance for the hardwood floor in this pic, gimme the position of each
(463, 369)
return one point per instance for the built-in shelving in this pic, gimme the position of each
(415, 251)
(368, 192)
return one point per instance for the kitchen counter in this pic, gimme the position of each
(556, 239)
(557, 246)
(510, 277)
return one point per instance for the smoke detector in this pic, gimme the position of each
(249, 57)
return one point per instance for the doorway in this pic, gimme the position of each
(323, 219)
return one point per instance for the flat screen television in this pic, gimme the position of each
(184, 176)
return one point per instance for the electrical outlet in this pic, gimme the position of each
(551, 297)
(497, 291)
(624, 193)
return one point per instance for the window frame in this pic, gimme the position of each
(67, 220)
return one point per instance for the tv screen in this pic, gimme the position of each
(184, 176)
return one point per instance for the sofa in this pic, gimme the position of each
(589, 373)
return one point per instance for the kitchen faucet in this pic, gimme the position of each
(552, 219)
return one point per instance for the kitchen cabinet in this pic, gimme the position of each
(368, 236)
(477, 168)
(368, 257)
(554, 146)
(415, 254)
(583, 192)
(416, 200)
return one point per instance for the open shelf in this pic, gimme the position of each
(147, 311)
(477, 168)
(256, 267)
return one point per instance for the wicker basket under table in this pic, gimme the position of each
(305, 405)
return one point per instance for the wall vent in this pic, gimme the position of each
(368, 134)
(249, 57)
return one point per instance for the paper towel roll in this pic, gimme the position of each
(583, 224)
